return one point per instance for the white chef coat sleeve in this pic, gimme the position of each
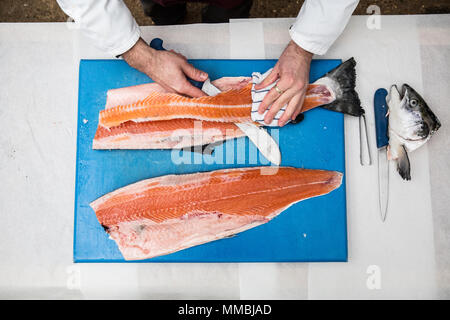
(320, 22)
(108, 23)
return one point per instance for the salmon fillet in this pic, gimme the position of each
(151, 102)
(230, 106)
(179, 133)
(166, 214)
(129, 95)
(151, 108)
(166, 134)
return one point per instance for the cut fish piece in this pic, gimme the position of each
(230, 106)
(166, 214)
(167, 134)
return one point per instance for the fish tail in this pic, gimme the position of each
(343, 80)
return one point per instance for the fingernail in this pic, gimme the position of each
(280, 123)
(204, 75)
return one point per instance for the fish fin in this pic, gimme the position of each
(393, 94)
(344, 79)
(403, 165)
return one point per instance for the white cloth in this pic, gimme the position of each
(258, 96)
(113, 29)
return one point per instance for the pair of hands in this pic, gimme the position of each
(170, 69)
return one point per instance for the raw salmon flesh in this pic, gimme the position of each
(166, 214)
(146, 116)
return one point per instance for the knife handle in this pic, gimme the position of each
(157, 44)
(381, 120)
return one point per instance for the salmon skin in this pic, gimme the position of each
(166, 214)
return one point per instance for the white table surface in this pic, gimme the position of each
(408, 256)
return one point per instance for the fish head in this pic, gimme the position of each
(415, 102)
(410, 118)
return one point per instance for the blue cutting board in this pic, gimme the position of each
(312, 230)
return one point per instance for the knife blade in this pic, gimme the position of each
(381, 127)
(262, 140)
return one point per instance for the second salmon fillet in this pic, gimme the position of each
(166, 214)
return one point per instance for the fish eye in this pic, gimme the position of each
(413, 102)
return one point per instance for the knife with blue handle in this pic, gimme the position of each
(381, 127)
(260, 137)
(381, 120)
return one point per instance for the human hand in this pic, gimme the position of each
(168, 68)
(293, 71)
